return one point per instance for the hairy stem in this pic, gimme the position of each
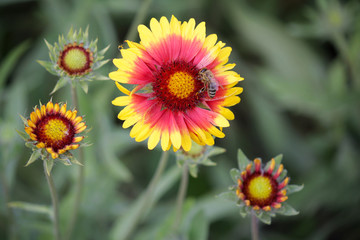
(181, 196)
(254, 227)
(80, 177)
(55, 203)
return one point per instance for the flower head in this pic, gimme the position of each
(198, 155)
(53, 131)
(74, 59)
(261, 190)
(182, 85)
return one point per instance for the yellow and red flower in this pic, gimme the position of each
(55, 129)
(170, 101)
(261, 190)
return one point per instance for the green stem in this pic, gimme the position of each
(254, 227)
(10, 222)
(55, 203)
(80, 177)
(148, 195)
(342, 46)
(181, 196)
(139, 18)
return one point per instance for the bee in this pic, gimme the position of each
(211, 85)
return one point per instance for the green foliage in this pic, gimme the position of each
(301, 98)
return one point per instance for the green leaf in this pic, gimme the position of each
(243, 161)
(235, 174)
(199, 227)
(100, 77)
(29, 144)
(230, 196)
(193, 170)
(208, 162)
(74, 160)
(49, 165)
(244, 211)
(49, 46)
(293, 188)
(84, 86)
(36, 208)
(23, 135)
(278, 159)
(34, 156)
(103, 51)
(60, 83)
(264, 217)
(287, 210)
(216, 151)
(11, 60)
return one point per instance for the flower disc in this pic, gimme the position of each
(75, 59)
(262, 189)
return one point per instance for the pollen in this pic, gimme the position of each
(181, 84)
(56, 130)
(176, 86)
(260, 188)
(75, 59)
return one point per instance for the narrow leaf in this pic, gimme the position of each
(244, 211)
(60, 83)
(242, 159)
(235, 174)
(10, 61)
(287, 210)
(30, 207)
(84, 86)
(278, 159)
(23, 135)
(230, 196)
(293, 188)
(34, 156)
(264, 217)
(103, 51)
(49, 165)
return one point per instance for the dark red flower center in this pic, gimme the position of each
(177, 86)
(55, 131)
(260, 189)
(75, 59)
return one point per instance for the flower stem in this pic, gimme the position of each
(10, 222)
(254, 227)
(181, 196)
(342, 46)
(80, 177)
(139, 18)
(55, 204)
(148, 196)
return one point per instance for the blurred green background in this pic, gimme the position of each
(301, 64)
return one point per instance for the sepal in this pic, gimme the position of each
(34, 156)
(49, 163)
(230, 196)
(287, 210)
(235, 174)
(292, 188)
(243, 161)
